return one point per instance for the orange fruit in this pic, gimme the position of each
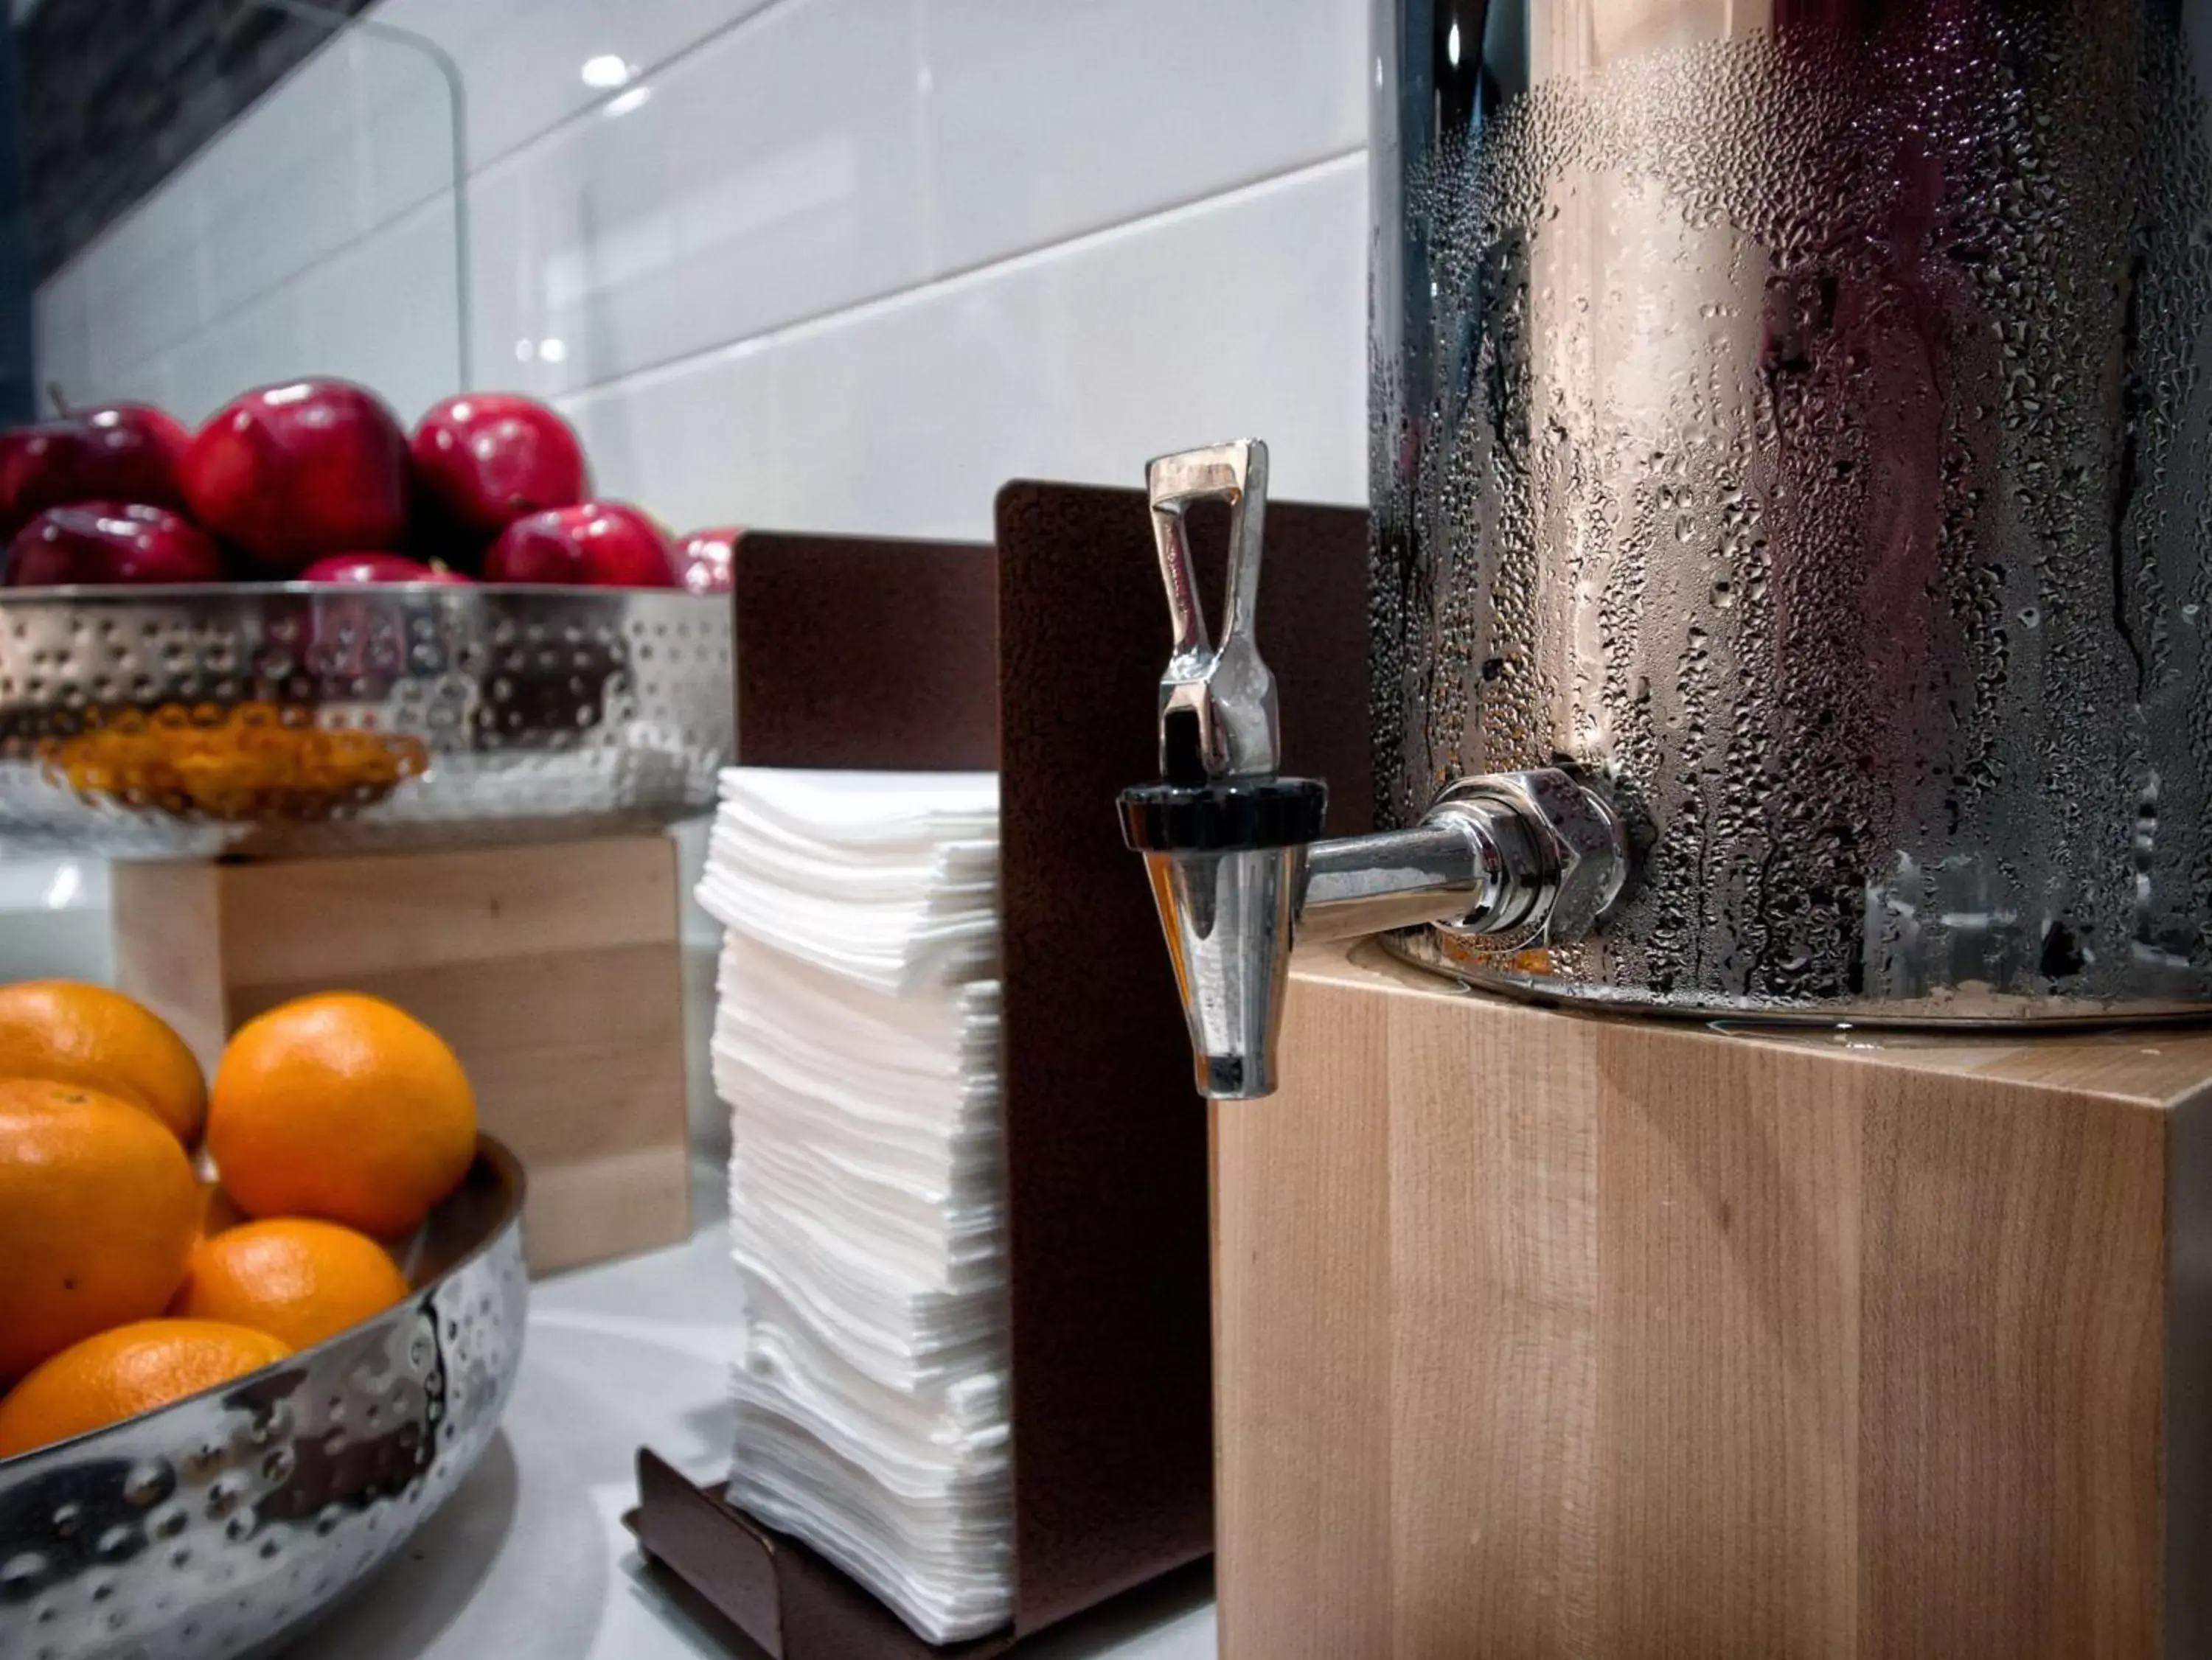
(86, 1034)
(344, 1108)
(120, 1373)
(97, 1212)
(299, 1281)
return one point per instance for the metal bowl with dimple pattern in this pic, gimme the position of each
(296, 718)
(217, 1526)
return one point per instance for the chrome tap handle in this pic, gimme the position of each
(1224, 839)
(1217, 716)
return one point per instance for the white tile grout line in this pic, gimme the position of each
(972, 276)
(814, 323)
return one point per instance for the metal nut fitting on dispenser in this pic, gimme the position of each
(1580, 840)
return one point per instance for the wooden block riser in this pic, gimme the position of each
(1544, 1335)
(554, 971)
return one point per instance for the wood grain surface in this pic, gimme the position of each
(554, 971)
(1545, 1335)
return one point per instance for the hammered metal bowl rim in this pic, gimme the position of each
(513, 1187)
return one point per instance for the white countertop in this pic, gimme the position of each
(530, 1560)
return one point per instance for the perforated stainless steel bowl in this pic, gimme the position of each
(187, 722)
(217, 1526)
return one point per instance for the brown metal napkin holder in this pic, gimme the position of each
(1038, 657)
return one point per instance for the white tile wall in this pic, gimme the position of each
(773, 173)
(1244, 314)
(521, 59)
(146, 298)
(1047, 121)
(403, 127)
(277, 193)
(821, 264)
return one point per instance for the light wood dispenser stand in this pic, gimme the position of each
(1540, 1334)
(554, 970)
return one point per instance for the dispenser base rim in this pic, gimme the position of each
(1422, 948)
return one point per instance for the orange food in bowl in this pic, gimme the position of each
(249, 761)
(86, 1034)
(298, 1280)
(124, 1371)
(343, 1107)
(97, 1212)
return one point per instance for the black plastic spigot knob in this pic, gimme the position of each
(1223, 815)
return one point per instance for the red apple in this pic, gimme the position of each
(110, 542)
(359, 569)
(484, 459)
(291, 473)
(595, 544)
(33, 460)
(703, 559)
(111, 452)
(132, 452)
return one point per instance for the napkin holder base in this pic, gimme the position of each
(1019, 657)
(781, 1596)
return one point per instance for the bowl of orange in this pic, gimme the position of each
(255, 1327)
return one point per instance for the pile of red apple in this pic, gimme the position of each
(316, 480)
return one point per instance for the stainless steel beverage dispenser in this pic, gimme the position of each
(1791, 436)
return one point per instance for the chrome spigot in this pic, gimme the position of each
(1232, 849)
(1225, 838)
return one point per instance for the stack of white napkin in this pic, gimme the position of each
(856, 1044)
